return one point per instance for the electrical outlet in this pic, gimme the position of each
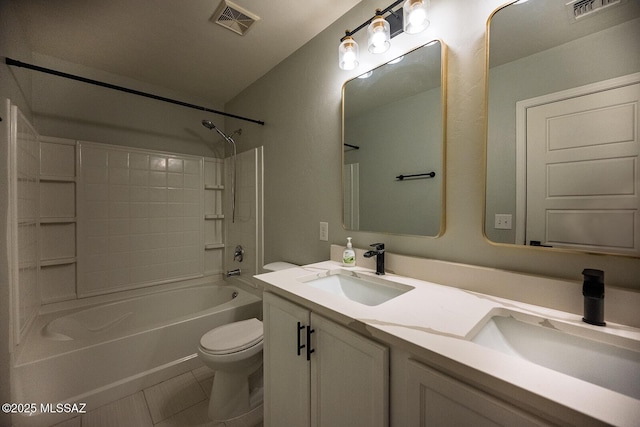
(324, 231)
(503, 221)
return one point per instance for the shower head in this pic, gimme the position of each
(208, 124)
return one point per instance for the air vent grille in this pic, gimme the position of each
(233, 17)
(582, 8)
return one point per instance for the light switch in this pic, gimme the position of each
(503, 222)
(324, 231)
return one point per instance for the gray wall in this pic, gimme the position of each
(587, 60)
(75, 110)
(300, 103)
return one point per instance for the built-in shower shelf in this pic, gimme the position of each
(213, 216)
(59, 261)
(210, 246)
(57, 220)
(54, 178)
(214, 187)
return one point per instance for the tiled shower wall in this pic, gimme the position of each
(141, 218)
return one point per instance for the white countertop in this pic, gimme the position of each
(433, 322)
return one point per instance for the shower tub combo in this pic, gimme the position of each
(107, 349)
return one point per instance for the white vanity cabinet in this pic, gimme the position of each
(318, 373)
(436, 399)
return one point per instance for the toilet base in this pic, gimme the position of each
(234, 395)
(252, 418)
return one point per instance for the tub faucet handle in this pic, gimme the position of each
(238, 253)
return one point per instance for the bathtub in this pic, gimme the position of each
(98, 353)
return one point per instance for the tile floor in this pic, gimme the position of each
(181, 401)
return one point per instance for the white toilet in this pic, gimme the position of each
(234, 352)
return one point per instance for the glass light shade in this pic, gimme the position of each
(414, 16)
(348, 54)
(379, 35)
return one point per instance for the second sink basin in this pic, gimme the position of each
(357, 287)
(537, 340)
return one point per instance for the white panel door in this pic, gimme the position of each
(582, 172)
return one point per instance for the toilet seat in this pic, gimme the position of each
(233, 337)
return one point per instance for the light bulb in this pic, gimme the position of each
(414, 16)
(379, 35)
(348, 54)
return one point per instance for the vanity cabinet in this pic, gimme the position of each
(436, 399)
(318, 373)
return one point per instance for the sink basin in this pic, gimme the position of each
(357, 287)
(610, 366)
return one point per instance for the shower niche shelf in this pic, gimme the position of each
(213, 215)
(57, 224)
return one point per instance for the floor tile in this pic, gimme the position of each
(206, 386)
(73, 422)
(203, 373)
(130, 411)
(172, 396)
(195, 416)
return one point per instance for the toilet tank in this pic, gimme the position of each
(277, 266)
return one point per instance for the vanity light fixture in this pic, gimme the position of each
(410, 18)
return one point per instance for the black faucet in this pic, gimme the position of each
(593, 291)
(378, 252)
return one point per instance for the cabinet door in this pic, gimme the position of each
(349, 378)
(286, 375)
(435, 399)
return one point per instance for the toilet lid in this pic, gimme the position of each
(233, 337)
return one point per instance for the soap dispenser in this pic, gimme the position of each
(349, 255)
(593, 291)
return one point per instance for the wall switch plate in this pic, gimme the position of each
(503, 222)
(324, 231)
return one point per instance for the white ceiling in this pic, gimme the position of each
(172, 43)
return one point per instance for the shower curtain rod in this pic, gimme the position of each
(10, 61)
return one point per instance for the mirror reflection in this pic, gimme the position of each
(393, 140)
(562, 140)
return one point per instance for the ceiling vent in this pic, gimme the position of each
(233, 17)
(578, 9)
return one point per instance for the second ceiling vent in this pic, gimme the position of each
(233, 17)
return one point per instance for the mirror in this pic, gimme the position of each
(562, 134)
(393, 145)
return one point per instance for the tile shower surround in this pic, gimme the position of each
(140, 218)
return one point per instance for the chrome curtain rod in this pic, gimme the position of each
(13, 62)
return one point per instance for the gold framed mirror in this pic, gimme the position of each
(393, 136)
(563, 83)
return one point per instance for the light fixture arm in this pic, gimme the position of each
(389, 8)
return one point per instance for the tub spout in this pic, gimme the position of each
(232, 273)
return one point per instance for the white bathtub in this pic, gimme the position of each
(103, 352)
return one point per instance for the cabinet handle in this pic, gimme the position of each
(300, 346)
(309, 349)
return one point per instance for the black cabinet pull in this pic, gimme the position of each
(309, 349)
(300, 345)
